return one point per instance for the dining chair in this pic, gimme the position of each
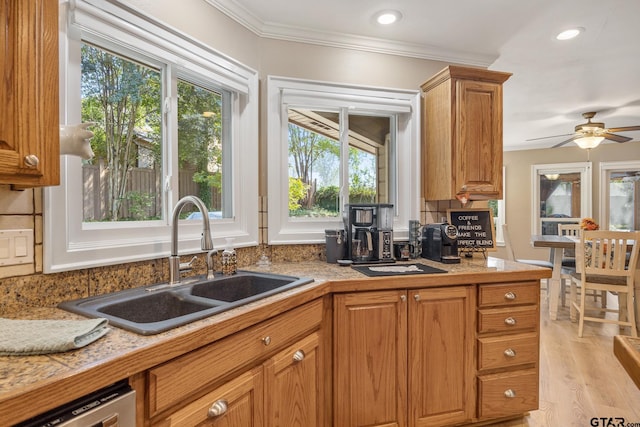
(569, 263)
(602, 264)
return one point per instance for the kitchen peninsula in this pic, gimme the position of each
(478, 331)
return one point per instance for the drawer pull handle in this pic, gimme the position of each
(266, 340)
(509, 393)
(416, 297)
(510, 296)
(510, 352)
(298, 356)
(218, 408)
(403, 298)
(510, 321)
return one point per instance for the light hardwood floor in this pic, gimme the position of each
(580, 378)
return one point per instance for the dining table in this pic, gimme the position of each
(557, 244)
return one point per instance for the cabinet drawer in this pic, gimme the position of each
(173, 381)
(507, 319)
(506, 351)
(509, 294)
(508, 393)
(238, 402)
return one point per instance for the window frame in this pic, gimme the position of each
(70, 243)
(285, 91)
(584, 168)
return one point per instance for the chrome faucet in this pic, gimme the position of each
(206, 243)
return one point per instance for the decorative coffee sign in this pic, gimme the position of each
(475, 228)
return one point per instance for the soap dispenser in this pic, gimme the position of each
(229, 258)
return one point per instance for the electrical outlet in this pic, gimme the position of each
(16, 247)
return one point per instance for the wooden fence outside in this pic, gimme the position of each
(144, 185)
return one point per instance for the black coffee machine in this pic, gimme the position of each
(440, 243)
(369, 233)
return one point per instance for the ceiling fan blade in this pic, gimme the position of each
(616, 138)
(566, 141)
(547, 137)
(623, 129)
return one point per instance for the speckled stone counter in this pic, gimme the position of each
(121, 354)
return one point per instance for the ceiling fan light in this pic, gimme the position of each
(588, 142)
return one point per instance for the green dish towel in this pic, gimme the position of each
(28, 337)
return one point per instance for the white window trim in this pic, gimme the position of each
(69, 243)
(584, 168)
(501, 218)
(605, 169)
(283, 229)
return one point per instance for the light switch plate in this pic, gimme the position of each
(16, 247)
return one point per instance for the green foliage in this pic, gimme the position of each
(139, 203)
(362, 195)
(297, 191)
(328, 198)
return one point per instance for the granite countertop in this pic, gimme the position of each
(121, 354)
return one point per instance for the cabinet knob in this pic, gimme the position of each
(416, 297)
(266, 340)
(510, 296)
(218, 408)
(31, 161)
(298, 356)
(510, 352)
(403, 298)
(509, 393)
(510, 321)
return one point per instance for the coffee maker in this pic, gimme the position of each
(369, 233)
(440, 243)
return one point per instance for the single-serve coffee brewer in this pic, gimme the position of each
(369, 232)
(440, 243)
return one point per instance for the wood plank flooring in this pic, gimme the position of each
(580, 378)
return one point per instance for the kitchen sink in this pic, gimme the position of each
(156, 308)
(152, 308)
(242, 287)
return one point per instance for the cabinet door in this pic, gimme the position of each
(370, 359)
(479, 138)
(238, 403)
(441, 364)
(29, 129)
(294, 386)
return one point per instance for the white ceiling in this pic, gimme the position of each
(553, 82)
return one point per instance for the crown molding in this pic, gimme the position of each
(270, 30)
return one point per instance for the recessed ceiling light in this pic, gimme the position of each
(387, 17)
(569, 34)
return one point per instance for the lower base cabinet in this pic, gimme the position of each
(269, 375)
(404, 358)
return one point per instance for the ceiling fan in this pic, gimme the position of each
(590, 134)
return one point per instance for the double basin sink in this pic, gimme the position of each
(156, 308)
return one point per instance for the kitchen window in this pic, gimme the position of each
(561, 195)
(332, 144)
(171, 118)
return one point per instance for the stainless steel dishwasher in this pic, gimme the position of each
(113, 406)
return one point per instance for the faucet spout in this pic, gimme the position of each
(206, 242)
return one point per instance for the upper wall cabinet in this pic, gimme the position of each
(29, 129)
(462, 134)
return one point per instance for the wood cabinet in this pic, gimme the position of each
(462, 134)
(404, 358)
(268, 375)
(508, 349)
(29, 122)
